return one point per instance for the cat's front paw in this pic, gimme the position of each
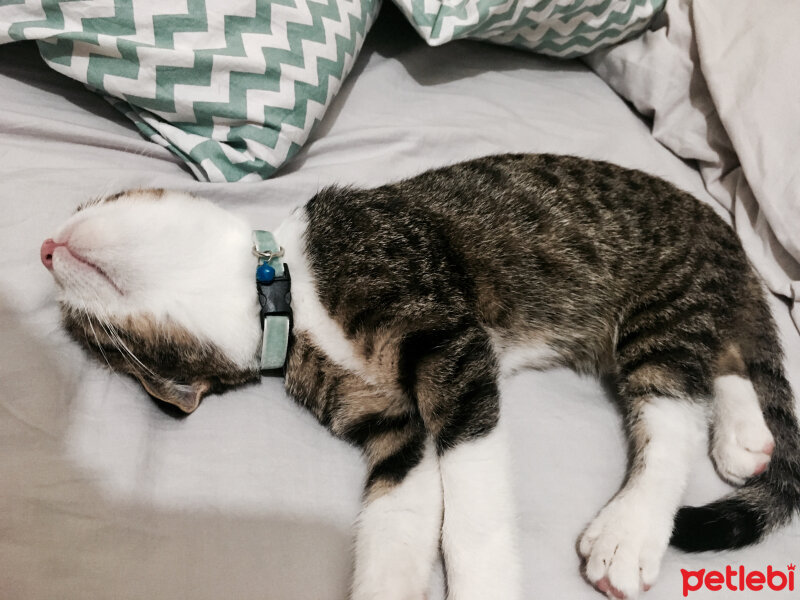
(623, 547)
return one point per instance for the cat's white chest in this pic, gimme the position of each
(310, 317)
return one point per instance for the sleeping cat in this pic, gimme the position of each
(411, 300)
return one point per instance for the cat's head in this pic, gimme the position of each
(160, 285)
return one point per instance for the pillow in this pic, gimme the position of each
(233, 87)
(562, 28)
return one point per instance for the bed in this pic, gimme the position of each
(105, 495)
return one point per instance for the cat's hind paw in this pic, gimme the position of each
(742, 444)
(622, 550)
(736, 461)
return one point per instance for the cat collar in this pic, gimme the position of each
(274, 295)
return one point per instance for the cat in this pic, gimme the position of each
(410, 301)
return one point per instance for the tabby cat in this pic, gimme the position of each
(411, 300)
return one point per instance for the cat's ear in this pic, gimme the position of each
(185, 397)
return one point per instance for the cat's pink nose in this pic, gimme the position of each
(46, 252)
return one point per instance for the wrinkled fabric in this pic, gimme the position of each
(720, 83)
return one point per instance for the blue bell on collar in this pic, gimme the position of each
(264, 273)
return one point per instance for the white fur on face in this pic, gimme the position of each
(169, 256)
(479, 529)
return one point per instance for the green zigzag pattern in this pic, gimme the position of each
(148, 113)
(622, 21)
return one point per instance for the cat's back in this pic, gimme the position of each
(512, 206)
(516, 237)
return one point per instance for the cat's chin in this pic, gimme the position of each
(69, 265)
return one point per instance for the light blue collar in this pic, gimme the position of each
(274, 296)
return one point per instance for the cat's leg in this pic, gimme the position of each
(479, 529)
(623, 546)
(664, 358)
(454, 379)
(397, 537)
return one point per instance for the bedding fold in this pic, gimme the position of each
(717, 84)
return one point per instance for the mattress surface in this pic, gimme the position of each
(103, 495)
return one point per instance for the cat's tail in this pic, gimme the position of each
(765, 501)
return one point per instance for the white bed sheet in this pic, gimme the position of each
(102, 495)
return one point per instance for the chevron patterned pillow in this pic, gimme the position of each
(233, 87)
(562, 28)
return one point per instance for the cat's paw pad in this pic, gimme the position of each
(741, 448)
(622, 549)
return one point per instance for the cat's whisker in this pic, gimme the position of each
(127, 354)
(94, 333)
(85, 317)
